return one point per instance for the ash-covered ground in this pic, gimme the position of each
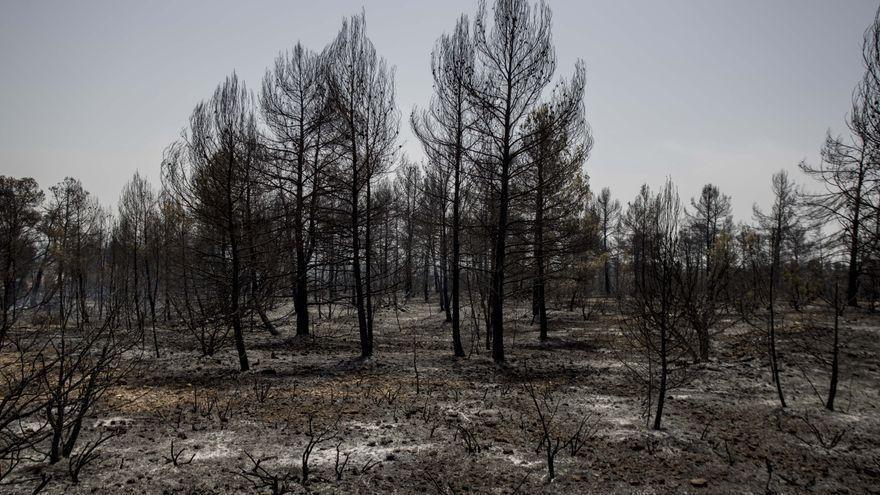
(413, 419)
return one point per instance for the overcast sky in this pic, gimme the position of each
(701, 90)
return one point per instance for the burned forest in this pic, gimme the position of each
(322, 290)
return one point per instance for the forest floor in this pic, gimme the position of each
(418, 420)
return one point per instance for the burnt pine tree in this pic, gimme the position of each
(608, 214)
(866, 108)
(849, 169)
(457, 61)
(71, 225)
(768, 255)
(707, 264)
(443, 129)
(19, 219)
(653, 316)
(366, 124)
(515, 61)
(407, 190)
(211, 183)
(847, 173)
(295, 108)
(434, 218)
(557, 149)
(137, 217)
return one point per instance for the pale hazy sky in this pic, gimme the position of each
(702, 90)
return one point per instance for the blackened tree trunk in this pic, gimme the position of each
(835, 365)
(457, 348)
(540, 303)
(835, 355)
(774, 358)
(366, 343)
(368, 265)
(301, 297)
(444, 263)
(235, 305)
(664, 373)
(301, 283)
(852, 283)
(496, 292)
(426, 275)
